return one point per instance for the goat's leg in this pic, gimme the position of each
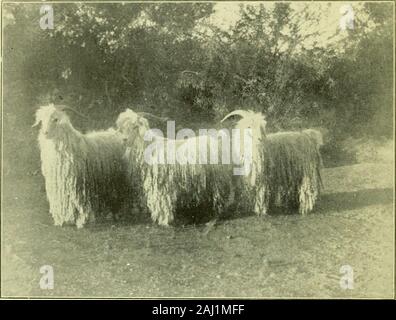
(83, 215)
(261, 202)
(161, 206)
(307, 196)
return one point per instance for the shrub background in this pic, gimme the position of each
(174, 60)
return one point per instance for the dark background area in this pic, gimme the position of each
(171, 60)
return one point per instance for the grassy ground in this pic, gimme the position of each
(276, 256)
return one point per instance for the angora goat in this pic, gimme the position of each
(285, 170)
(167, 187)
(84, 173)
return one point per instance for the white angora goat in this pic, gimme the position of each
(286, 167)
(167, 187)
(84, 173)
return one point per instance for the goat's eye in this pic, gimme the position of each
(55, 120)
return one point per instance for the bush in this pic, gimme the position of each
(170, 60)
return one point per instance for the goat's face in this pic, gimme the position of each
(51, 120)
(255, 122)
(132, 126)
(57, 120)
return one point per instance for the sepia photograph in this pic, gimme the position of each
(197, 149)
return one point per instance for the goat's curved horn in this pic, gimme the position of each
(65, 107)
(36, 123)
(150, 115)
(241, 113)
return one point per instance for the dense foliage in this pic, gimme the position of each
(173, 60)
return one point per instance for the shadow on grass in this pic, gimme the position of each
(341, 201)
(338, 201)
(198, 216)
